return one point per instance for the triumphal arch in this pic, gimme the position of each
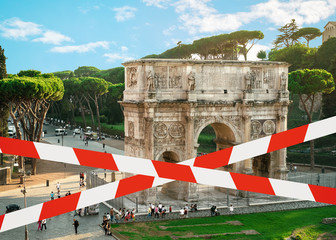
(168, 102)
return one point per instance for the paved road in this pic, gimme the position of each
(76, 142)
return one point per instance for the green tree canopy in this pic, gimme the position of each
(326, 53)
(85, 71)
(307, 84)
(261, 54)
(28, 99)
(299, 56)
(245, 38)
(223, 46)
(29, 73)
(288, 37)
(3, 69)
(94, 88)
(308, 33)
(63, 74)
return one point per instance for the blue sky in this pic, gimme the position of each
(65, 34)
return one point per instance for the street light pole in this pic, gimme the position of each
(24, 197)
(64, 163)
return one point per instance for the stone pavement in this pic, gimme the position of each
(58, 227)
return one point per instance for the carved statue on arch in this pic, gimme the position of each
(191, 81)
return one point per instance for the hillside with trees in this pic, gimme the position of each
(223, 46)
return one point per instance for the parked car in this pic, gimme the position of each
(77, 131)
(12, 208)
(11, 131)
(60, 131)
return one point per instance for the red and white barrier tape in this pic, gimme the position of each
(136, 165)
(157, 171)
(141, 182)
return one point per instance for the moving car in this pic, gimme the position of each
(12, 208)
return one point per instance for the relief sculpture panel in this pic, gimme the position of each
(256, 78)
(176, 130)
(160, 130)
(160, 77)
(131, 76)
(175, 78)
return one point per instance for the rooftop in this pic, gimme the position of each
(189, 61)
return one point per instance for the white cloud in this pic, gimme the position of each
(16, 29)
(157, 3)
(169, 30)
(198, 16)
(112, 57)
(88, 47)
(124, 48)
(124, 13)
(303, 11)
(86, 9)
(52, 37)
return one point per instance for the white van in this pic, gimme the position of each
(11, 131)
(60, 131)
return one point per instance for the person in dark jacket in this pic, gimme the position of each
(76, 224)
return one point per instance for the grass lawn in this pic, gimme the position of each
(304, 223)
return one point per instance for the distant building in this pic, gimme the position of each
(329, 31)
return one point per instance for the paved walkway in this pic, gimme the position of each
(59, 227)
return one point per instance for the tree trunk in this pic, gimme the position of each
(310, 117)
(91, 112)
(312, 156)
(98, 116)
(82, 113)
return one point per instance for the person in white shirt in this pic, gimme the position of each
(58, 186)
(231, 209)
(44, 223)
(181, 212)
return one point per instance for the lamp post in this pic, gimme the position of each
(24, 196)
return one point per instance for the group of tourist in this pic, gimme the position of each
(184, 211)
(157, 211)
(58, 188)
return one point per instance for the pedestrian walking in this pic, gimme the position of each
(76, 224)
(103, 145)
(39, 225)
(58, 186)
(44, 224)
(52, 195)
(295, 169)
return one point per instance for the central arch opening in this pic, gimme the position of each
(172, 189)
(215, 137)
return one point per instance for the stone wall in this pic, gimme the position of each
(255, 208)
(5, 175)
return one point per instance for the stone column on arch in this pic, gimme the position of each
(280, 155)
(149, 154)
(191, 188)
(246, 138)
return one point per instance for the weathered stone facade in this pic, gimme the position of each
(167, 103)
(329, 31)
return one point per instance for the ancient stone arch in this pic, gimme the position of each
(168, 102)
